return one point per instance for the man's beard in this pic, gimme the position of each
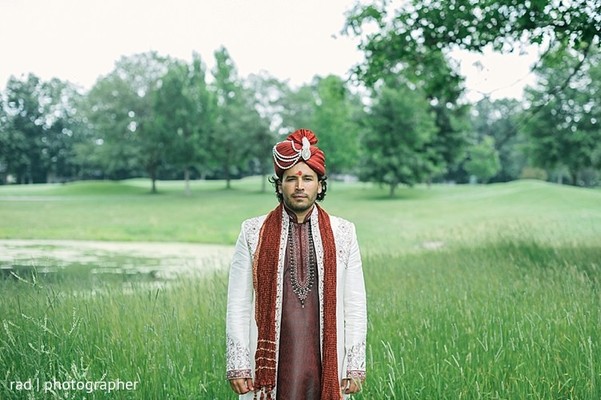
(298, 207)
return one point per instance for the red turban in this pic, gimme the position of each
(299, 146)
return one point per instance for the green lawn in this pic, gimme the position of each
(126, 211)
(474, 292)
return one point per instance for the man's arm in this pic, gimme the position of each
(355, 316)
(239, 309)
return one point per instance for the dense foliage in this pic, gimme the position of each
(404, 120)
(413, 41)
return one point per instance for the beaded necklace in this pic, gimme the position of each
(301, 289)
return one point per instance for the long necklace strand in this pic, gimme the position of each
(301, 289)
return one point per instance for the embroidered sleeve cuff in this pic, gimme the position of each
(360, 375)
(356, 357)
(238, 374)
(237, 356)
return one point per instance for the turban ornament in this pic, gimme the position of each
(299, 146)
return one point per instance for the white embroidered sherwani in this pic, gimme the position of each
(351, 310)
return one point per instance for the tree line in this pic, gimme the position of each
(401, 119)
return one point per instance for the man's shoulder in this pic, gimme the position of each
(259, 218)
(344, 232)
(341, 223)
(339, 220)
(253, 224)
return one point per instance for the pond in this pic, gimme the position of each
(53, 260)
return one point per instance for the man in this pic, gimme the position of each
(296, 314)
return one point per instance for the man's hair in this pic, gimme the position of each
(276, 181)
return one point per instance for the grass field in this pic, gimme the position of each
(474, 292)
(450, 214)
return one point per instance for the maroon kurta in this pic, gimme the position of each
(299, 361)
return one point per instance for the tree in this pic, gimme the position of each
(182, 108)
(261, 141)
(231, 147)
(202, 116)
(38, 126)
(414, 41)
(395, 145)
(122, 114)
(420, 27)
(499, 119)
(13, 145)
(4, 143)
(483, 162)
(298, 109)
(392, 54)
(334, 122)
(112, 126)
(24, 109)
(329, 108)
(268, 101)
(565, 133)
(269, 98)
(145, 72)
(63, 126)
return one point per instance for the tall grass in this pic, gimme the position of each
(510, 320)
(167, 339)
(506, 321)
(504, 305)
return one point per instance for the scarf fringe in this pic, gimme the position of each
(264, 394)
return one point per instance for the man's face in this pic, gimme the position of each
(300, 187)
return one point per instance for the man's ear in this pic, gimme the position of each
(320, 187)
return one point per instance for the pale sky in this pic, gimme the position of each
(80, 40)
